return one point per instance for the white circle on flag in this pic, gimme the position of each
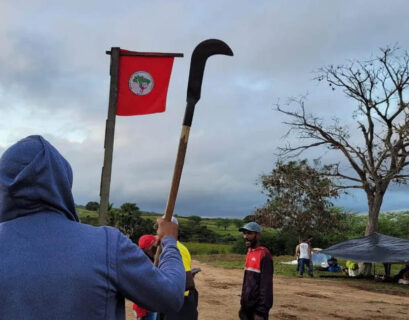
(141, 83)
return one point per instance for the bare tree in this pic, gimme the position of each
(380, 88)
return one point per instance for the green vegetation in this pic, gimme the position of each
(84, 213)
(394, 224)
(92, 206)
(218, 242)
(196, 248)
(225, 231)
(87, 216)
(128, 219)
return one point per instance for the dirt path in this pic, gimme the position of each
(219, 296)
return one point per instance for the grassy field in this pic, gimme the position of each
(83, 213)
(231, 229)
(196, 248)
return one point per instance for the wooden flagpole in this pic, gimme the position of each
(109, 137)
(110, 124)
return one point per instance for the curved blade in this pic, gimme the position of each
(203, 51)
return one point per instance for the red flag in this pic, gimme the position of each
(143, 84)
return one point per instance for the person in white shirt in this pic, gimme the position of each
(304, 254)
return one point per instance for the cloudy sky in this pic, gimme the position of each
(54, 81)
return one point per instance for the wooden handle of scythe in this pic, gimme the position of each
(177, 173)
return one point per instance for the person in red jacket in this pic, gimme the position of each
(257, 291)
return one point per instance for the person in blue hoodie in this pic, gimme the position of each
(54, 267)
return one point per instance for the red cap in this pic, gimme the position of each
(146, 241)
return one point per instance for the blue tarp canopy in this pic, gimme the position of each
(374, 248)
(318, 258)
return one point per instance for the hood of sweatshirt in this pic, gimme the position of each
(34, 178)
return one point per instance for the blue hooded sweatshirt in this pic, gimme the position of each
(52, 266)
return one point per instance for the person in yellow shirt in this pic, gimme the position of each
(353, 270)
(189, 308)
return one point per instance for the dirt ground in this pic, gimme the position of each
(294, 298)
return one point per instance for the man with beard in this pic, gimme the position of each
(257, 292)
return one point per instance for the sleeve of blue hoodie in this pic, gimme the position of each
(155, 288)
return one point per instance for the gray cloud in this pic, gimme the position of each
(54, 81)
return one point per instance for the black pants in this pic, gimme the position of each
(188, 311)
(248, 315)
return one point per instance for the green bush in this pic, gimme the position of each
(395, 224)
(227, 238)
(277, 241)
(239, 246)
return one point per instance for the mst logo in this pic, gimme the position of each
(141, 83)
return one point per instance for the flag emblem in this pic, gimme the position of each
(141, 83)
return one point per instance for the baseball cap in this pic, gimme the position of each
(146, 241)
(251, 226)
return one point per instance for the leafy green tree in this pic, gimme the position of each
(128, 219)
(92, 206)
(194, 220)
(131, 208)
(298, 199)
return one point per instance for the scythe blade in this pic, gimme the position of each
(202, 51)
